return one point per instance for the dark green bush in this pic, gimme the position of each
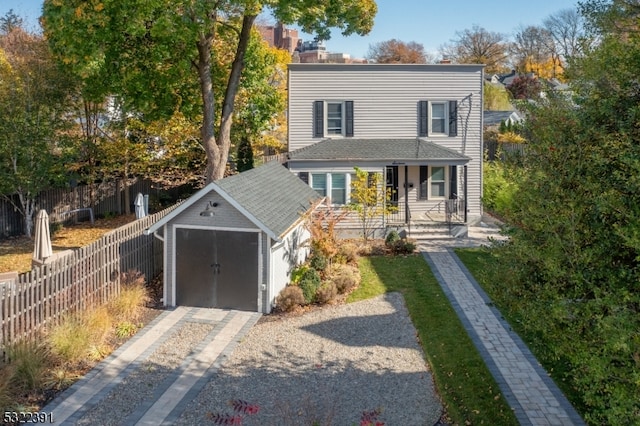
(309, 284)
(392, 238)
(318, 262)
(403, 246)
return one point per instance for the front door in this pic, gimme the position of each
(217, 269)
(392, 183)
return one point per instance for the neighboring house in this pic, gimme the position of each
(493, 119)
(234, 243)
(418, 125)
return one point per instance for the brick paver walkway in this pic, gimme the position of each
(186, 381)
(528, 389)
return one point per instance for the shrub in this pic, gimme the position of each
(392, 238)
(297, 273)
(289, 298)
(403, 246)
(29, 360)
(321, 224)
(318, 262)
(309, 284)
(327, 292)
(126, 329)
(348, 253)
(345, 278)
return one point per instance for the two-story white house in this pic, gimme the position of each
(418, 125)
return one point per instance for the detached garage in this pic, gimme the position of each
(233, 244)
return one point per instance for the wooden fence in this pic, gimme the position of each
(503, 151)
(104, 198)
(88, 276)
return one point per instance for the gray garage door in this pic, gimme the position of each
(217, 269)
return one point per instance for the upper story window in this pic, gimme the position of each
(437, 118)
(335, 118)
(332, 118)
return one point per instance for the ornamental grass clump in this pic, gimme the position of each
(132, 298)
(29, 361)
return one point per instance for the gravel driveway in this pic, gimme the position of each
(327, 366)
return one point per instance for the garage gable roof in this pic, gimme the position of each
(376, 149)
(270, 196)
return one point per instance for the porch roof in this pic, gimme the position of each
(349, 149)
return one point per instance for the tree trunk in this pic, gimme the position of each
(224, 136)
(208, 107)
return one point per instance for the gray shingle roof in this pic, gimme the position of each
(376, 149)
(492, 118)
(272, 194)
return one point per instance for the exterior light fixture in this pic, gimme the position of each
(207, 212)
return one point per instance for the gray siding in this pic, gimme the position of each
(386, 106)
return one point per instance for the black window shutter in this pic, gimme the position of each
(348, 111)
(424, 181)
(318, 119)
(453, 182)
(304, 176)
(423, 118)
(453, 118)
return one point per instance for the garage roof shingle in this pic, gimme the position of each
(272, 194)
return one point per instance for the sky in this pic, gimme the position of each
(428, 22)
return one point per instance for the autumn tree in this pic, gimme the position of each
(525, 87)
(398, 52)
(496, 97)
(160, 53)
(478, 46)
(533, 50)
(370, 201)
(33, 104)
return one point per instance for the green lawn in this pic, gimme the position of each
(469, 392)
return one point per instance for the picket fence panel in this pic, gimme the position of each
(87, 277)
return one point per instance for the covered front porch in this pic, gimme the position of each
(427, 193)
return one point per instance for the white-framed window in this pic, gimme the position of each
(439, 118)
(332, 118)
(335, 186)
(434, 182)
(319, 183)
(339, 188)
(335, 118)
(437, 182)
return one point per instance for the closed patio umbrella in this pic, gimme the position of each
(139, 203)
(42, 245)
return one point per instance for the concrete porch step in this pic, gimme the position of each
(429, 231)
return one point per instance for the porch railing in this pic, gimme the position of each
(455, 210)
(447, 211)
